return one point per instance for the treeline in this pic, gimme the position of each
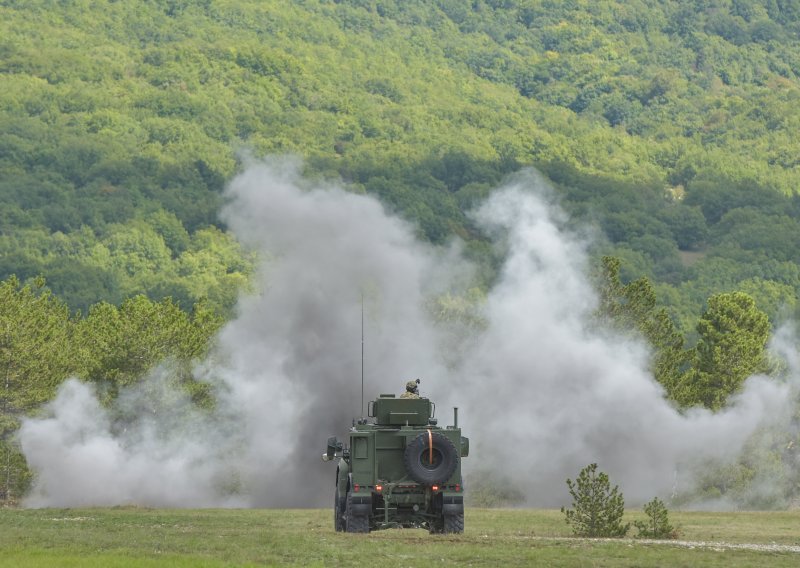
(42, 344)
(112, 347)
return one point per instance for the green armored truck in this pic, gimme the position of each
(400, 469)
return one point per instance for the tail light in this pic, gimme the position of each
(356, 487)
(379, 488)
(435, 487)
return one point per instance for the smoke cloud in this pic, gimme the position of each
(543, 393)
(549, 395)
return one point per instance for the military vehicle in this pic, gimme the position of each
(400, 469)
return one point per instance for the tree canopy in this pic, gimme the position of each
(671, 125)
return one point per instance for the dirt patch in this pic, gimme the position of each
(687, 544)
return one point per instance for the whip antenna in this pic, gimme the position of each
(362, 355)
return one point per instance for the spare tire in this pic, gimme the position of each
(417, 458)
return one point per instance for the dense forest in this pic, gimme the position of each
(668, 126)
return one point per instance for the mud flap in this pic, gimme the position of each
(361, 504)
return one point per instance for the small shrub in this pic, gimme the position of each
(598, 509)
(657, 523)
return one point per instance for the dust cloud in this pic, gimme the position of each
(542, 392)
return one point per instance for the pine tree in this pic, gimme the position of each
(657, 523)
(732, 346)
(35, 357)
(598, 508)
(632, 307)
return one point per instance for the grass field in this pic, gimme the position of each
(152, 537)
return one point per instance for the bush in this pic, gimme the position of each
(598, 508)
(657, 523)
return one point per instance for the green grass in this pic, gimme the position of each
(211, 538)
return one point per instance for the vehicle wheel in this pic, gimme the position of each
(435, 526)
(338, 513)
(454, 524)
(355, 523)
(417, 458)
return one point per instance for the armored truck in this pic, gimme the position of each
(400, 469)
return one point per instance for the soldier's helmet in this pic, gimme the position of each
(411, 386)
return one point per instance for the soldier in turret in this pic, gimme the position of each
(412, 390)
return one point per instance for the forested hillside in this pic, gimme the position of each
(670, 126)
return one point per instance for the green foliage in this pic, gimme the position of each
(41, 345)
(655, 120)
(120, 345)
(35, 344)
(733, 336)
(15, 477)
(633, 306)
(657, 523)
(598, 508)
(37, 353)
(157, 256)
